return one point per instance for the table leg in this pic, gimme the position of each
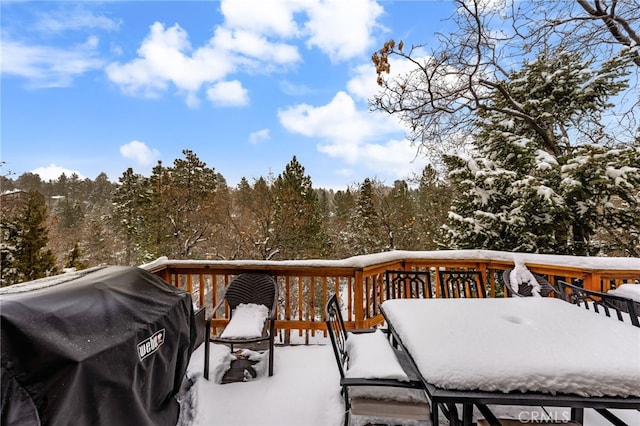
(467, 414)
(577, 415)
(435, 408)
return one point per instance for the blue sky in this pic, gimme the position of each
(90, 87)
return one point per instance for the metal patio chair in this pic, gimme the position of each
(247, 288)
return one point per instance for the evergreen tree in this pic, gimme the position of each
(529, 187)
(186, 201)
(367, 234)
(99, 246)
(101, 192)
(29, 181)
(297, 224)
(130, 205)
(252, 219)
(344, 204)
(24, 255)
(74, 258)
(433, 200)
(398, 213)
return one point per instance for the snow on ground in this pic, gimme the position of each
(304, 391)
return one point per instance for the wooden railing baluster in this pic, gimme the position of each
(361, 288)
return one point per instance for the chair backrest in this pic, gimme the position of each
(461, 284)
(612, 306)
(337, 332)
(408, 284)
(525, 289)
(252, 287)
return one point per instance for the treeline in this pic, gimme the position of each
(540, 157)
(188, 211)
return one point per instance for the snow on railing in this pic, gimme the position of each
(359, 281)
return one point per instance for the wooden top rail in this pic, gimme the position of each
(615, 267)
(306, 285)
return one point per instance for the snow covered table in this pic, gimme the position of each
(517, 351)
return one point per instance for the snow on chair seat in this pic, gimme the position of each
(377, 380)
(252, 299)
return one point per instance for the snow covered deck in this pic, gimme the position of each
(304, 390)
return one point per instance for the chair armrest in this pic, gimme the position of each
(215, 309)
(361, 330)
(358, 381)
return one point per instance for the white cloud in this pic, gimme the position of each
(396, 158)
(363, 84)
(342, 29)
(485, 6)
(139, 152)
(73, 20)
(47, 66)
(166, 56)
(259, 136)
(357, 137)
(53, 172)
(255, 37)
(228, 93)
(268, 17)
(250, 46)
(340, 123)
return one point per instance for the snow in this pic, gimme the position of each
(526, 344)
(630, 291)
(304, 390)
(247, 321)
(520, 275)
(581, 262)
(371, 356)
(220, 358)
(46, 282)
(619, 176)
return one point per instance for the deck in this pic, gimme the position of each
(304, 391)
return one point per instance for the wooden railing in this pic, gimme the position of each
(306, 285)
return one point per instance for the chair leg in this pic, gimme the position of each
(347, 407)
(272, 332)
(271, 356)
(207, 332)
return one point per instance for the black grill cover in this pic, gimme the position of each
(106, 347)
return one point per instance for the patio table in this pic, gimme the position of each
(517, 351)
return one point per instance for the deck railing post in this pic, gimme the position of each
(592, 281)
(358, 299)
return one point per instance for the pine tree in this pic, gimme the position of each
(24, 255)
(433, 200)
(252, 218)
(130, 201)
(398, 213)
(530, 186)
(344, 204)
(74, 258)
(366, 231)
(297, 225)
(187, 202)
